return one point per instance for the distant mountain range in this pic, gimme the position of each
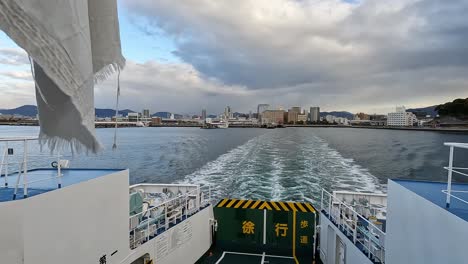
(430, 110)
(31, 110)
(343, 114)
(25, 110)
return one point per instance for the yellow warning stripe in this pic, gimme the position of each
(275, 206)
(269, 205)
(222, 202)
(299, 205)
(265, 205)
(284, 206)
(255, 204)
(239, 203)
(291, 205)
(231, 203)
(311, 208)
(246, 205)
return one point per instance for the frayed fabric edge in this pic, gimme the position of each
(109, 69)
(58, 144)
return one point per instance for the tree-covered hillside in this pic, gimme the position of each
(458, 108)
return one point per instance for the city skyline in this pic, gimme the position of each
(332, 54)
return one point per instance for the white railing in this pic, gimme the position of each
(451, 169)
(154, 220)
(11, 163)
(360, 230)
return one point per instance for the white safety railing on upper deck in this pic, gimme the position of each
(361, 231)
(451, 169)
(153, 220)
(11, 163)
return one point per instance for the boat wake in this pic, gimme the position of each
(277, 167)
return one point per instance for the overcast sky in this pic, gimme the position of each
(368, 55)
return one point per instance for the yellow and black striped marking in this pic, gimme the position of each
(268, 205)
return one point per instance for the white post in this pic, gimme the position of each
(59, 171)
(369, 245)
(147, 228)
(6, 166)
(449, 180)
(166, 223)
(20, 171)
(25, 169)
(355, 227)
(321, 201)
(186, 205)
(2, 164)
(339, 216)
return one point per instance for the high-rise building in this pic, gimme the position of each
(146, 113)
(292, 114)
(227, 112)
(296, 109)
(203, 115)
(261, 108)
(314, 114)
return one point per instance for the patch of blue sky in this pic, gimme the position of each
(138, 44)
(142, 42)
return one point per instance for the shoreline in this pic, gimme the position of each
(451, 130)
(443, 130)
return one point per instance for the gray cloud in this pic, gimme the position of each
(13, 56)
(19, 75)
(366, 56)
(170, 87)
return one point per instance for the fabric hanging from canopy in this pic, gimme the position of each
(73, 44)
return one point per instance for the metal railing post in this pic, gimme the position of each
(321, 201)
(369, 245)
(355, 227)
(5, 153)
(166, 223)
(6, 165)
(25, 169)
(59, 171)
(147, 228)
(186, 205)
(449, 177)
(20, 172)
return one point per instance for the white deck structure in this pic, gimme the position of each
(86, 218)
(418, 222)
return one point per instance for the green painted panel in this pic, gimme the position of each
(241, 230)
(305, 229)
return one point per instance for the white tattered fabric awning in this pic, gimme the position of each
(73, 44)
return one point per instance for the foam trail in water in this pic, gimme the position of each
(283, 166)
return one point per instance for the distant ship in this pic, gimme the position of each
(223, 123)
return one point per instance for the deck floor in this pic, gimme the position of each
(230, 257)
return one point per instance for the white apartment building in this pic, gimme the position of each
(338, 120)
(401, 118)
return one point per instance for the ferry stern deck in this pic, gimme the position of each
(40, 181)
